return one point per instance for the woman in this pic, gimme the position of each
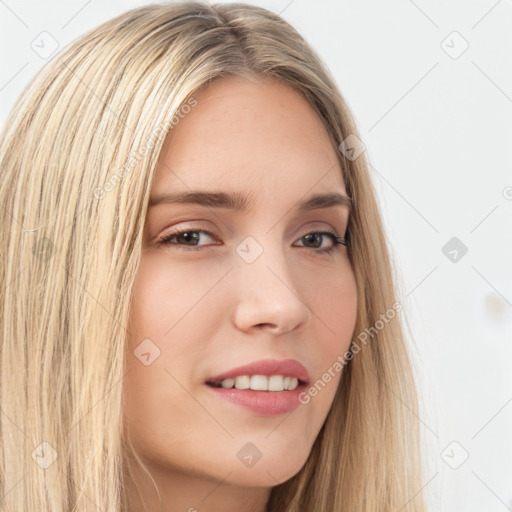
(198, 310)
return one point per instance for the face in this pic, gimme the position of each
(232, 286)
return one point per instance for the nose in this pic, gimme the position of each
(268, 297)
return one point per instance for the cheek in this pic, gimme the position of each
(166, 294)
(169, 326)
(334, 312)
(334, 306)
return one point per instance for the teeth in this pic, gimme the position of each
(294, 382)
(276, 383)
(260, 383)
(228, 383)
(243, 382)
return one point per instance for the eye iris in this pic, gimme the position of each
(317, 236)
(188, 236)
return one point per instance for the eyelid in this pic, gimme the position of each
(189, 226)
(184, 227)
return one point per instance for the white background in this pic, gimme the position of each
(437, 125)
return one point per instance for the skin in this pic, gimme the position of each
(209, 311)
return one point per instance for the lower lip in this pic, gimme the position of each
(263, 403)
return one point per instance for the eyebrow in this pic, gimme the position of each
(241, 202)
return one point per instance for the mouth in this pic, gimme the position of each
(273, 383)
(260, 395)
(266, 388)
(263, 375)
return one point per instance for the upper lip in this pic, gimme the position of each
(268, 367)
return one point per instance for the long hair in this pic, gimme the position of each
(78, 154)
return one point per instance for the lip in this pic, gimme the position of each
(262, 403)
(267, 367)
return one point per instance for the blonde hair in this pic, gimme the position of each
(73, 210)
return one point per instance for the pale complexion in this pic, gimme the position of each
(208, 310)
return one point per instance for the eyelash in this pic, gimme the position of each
(337, 240)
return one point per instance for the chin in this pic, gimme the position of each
(262, 476)
(269, 471)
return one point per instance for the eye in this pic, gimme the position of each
(319, 236)
(188, 239)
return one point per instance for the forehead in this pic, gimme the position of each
(248, 134)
